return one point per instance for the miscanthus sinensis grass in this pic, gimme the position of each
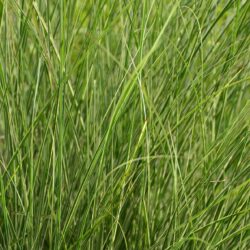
(124, 124)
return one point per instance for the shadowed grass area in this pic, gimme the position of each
(124, 124)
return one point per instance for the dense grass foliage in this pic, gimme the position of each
(124, 124)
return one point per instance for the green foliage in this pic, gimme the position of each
(124, 124)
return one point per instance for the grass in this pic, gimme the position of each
(124, 124)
